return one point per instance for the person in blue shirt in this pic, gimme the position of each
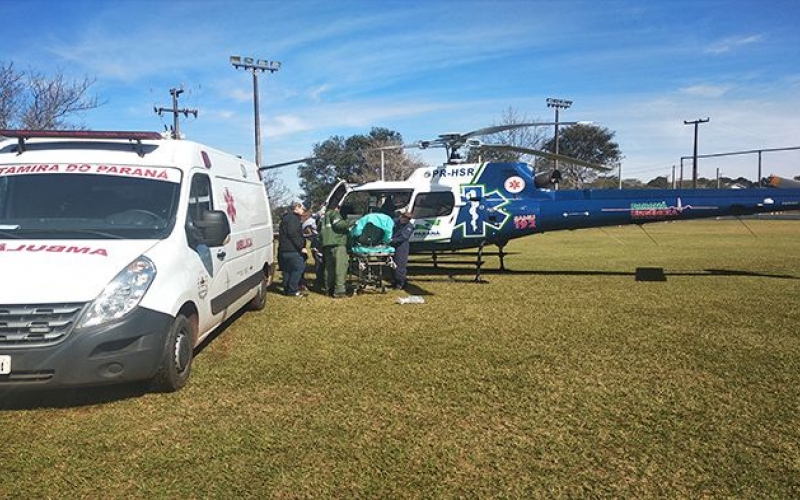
(401, 237)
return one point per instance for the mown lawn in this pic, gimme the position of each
(563, 378)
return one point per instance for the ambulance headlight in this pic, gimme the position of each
(121, 295)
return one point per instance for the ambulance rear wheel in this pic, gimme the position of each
(176, 361)
(259, 302)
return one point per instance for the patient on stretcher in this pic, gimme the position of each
(371, 235)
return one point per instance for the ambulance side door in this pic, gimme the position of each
(213, 279)
(239, 199)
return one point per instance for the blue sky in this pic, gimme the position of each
(422, 68)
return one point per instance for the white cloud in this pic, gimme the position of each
(730, 43)
(240, 95)
(282, 125)
(316, 93)
(349, 115)
(707, 91)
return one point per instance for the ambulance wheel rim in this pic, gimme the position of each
(183, 351)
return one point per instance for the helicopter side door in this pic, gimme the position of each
(336, 195)
(434, 214)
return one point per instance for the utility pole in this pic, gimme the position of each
(176, 125)
(254, 66)
(558, 104)
(694, 156)
(760, 184)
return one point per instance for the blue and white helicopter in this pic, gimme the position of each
(462, 205)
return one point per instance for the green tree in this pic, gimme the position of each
(660, 182)
(590, 143)
(32, 100)
(605, 182)
(355, 159)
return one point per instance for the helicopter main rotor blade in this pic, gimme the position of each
(548, 155)
(502, 128)
(390, 147)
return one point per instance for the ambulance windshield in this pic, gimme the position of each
(86, 206)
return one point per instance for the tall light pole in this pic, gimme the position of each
(254, 66)
(558, 104)
(694, 156)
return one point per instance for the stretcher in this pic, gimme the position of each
(371, 256)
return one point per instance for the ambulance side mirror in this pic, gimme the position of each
(214, 228)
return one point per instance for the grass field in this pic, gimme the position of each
(563, 378)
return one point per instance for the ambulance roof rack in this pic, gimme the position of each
(23, 135)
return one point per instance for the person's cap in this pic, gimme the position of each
(298, 204)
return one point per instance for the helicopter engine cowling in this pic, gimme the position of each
(547, 179)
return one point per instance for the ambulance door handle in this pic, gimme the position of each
(221, 255)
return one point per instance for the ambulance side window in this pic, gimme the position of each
(3, 196)
(200, 201)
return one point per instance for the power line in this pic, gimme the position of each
(176, 130)
(760, 152)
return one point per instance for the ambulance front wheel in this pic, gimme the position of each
(176, 361)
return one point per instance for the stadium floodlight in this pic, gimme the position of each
(255, 66)
(553, 102)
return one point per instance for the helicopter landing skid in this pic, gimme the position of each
(439, 258)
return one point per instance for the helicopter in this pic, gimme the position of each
(459, 205)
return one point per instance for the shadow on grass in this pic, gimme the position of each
(733, 272)
(467, 274)
(29, 398)
(219, 331)
(13, 399)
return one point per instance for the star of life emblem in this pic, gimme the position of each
(514, 184)
(231, 210)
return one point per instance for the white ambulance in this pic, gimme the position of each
(120, 252)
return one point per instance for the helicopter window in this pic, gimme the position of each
(337, 195)
(434, 204)
(389, 203)
(355, 205)
(359, 203)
